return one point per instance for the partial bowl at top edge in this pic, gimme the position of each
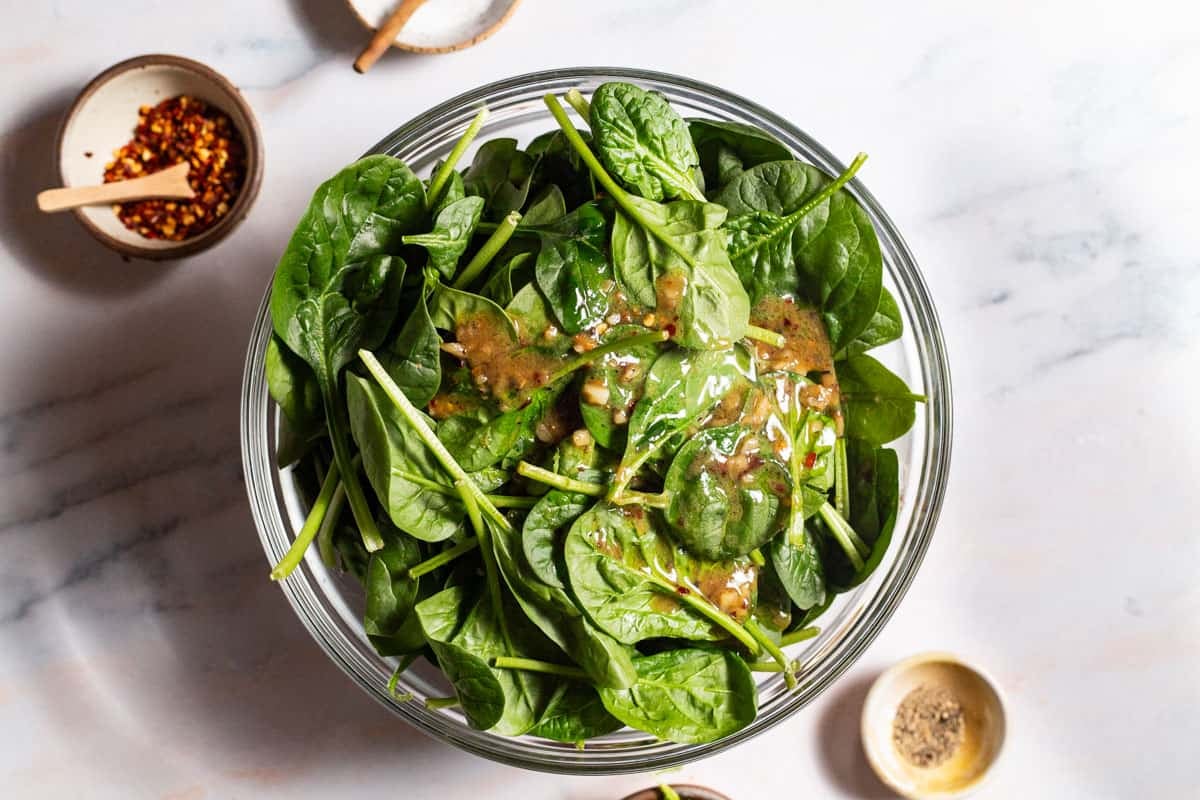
(330, 607)
(102, 118)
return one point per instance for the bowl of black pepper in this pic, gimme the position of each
(933, 727)
(150, 113)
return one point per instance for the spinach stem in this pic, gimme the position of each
(576, 100)
(802, 635)
(542, 475)
(691, 596)
(403, 663)
(338, 437)
(430, 439)
(505, 501)
(773, 650)
(585, 152)
(767, 337)
(841, 479)
(615, 346)
(487, 252)
(498, 500)
(757, 557)
(329, 524)
(443, 558)
(787, 223)
(460, 147)
(434, 703)
(312, 524)
(769, 666)
(622, 198)
(628, 496)
(854, 547)
(531, 665)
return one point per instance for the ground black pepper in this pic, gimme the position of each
(928, 728)
(181, 129)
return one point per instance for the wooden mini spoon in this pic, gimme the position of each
(170, 182)
(386, 34)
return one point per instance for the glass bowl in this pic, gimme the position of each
(330, 605)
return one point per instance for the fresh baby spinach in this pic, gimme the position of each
(595, 494)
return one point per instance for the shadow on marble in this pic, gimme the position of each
(841, 755)
(55, 247)
(136, 594)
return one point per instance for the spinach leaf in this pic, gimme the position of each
(406, 477)
(516, 271)
(613, 385)
(293, 386)
(810, 438)
(575, 714)
(453, 228)
(549, 607)
(547, 208)
(557, 164)
(607, 554)
(679, 244)
(337, 287)
(681, 387)
(388, 618)
(644, 142)
(500, 174)
(793, 229)
(878, 405)
(478, 442)
(572, 271)
(413, 357)
(746, 145)
(464, 635)
(451, 309)
(875, 492)
(540, 539)
(886, 326)
(690, 695)
(724, 492)
(672, 257)
(796, 558)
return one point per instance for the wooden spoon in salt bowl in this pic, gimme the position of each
(171, 182)
(427, 26)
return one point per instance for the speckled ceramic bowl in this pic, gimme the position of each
(984, 727)
(103, 118)
(439, 26)
(331, 606)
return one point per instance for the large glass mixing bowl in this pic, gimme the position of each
(330, 605)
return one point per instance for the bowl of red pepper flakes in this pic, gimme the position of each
(149, 113)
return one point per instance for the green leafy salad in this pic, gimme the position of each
(592, 421)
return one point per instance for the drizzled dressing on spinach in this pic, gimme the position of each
(600, 409)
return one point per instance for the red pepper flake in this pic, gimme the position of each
(682, 590)
(670, 329)
(177, 130)
(809, 460)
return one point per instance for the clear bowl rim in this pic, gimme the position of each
(918, 308)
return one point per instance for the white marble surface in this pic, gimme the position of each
(1041, 158)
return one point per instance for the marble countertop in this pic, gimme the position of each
(1039, 157)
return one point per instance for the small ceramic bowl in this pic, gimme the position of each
(983, 731)
(686, 791)
(439, 26)
(103, 118)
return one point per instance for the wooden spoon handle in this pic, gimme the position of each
(170, 182)
(385, 35)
